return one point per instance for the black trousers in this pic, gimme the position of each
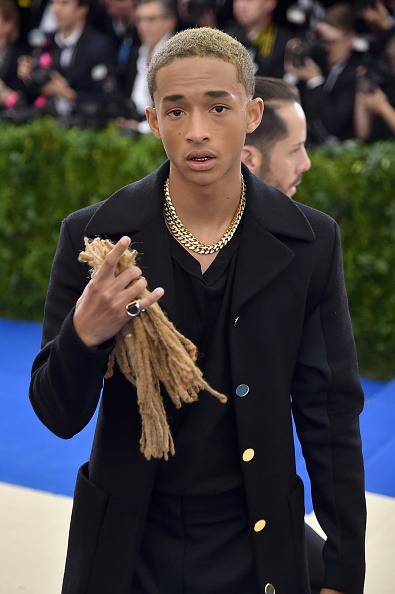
(196, 545)
(202, 545)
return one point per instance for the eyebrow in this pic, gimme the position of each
(212, 94)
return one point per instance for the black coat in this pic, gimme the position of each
(289, 333)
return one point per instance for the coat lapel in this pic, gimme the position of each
(270, 217)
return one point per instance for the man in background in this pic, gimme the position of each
(156, 21)
(276, 151)
(254, 25)
(70, 62)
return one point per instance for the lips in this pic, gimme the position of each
(200, 156)
(200, 160)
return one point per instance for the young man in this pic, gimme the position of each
(276, 151)
(260, 291)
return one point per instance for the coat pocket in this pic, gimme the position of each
(89, 508)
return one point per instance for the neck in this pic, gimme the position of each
(208, 212)
(207, 205)
(70, 31)
(257, 28)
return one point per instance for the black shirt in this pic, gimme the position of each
(204, 432)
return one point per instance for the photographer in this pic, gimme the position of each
(328, 92)
(256, 28)
(10, 49)
(375, 106)
(156, 21)
(374, 114)
(63, 70)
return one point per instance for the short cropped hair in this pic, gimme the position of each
(341, 16)
(204, 42)
(275, 93)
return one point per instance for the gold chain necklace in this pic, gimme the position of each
(186, 238)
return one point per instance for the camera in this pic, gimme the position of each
(41, 61)
(111, 104)
(303, 16)
(41, 69)
(297, 50)
(368, 80)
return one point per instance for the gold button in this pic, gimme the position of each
(270, 589)
(248, 455)
(259, 525)
(242, 390)
(235, 321)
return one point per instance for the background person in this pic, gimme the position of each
(328, 89)
(255, 26)
(73, 54)
(276, 150)
(156, 21)
(11, 87)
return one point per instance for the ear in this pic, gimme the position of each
(254, 114)
(152, 119)
(252, 157)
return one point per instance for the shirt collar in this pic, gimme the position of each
(70, 40)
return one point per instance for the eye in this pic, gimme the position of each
(219, 109)
(175, 113)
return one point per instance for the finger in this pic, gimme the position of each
(150, 299)
(111, 260)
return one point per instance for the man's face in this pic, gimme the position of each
(251, 13)
(338, 44)
(202, 115)
(68, 15)
(287, 160)
(151, 23)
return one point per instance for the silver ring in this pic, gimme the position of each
(133, 308)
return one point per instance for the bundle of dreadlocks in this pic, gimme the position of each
(150, 352)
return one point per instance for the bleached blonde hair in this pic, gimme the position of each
(204, 42)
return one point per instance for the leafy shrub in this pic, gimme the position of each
(47, 172)
(355, 184)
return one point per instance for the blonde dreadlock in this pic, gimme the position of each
(150, 351)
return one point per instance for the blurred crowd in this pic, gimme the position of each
(84, 62)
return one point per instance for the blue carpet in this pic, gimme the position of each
(31, 456)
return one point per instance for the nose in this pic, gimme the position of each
(305, 162)
(198, 128)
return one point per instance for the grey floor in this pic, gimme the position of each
(34, 527)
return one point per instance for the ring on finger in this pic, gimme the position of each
(133, 308)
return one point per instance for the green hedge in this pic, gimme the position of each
(47, 171)
(355, 184)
